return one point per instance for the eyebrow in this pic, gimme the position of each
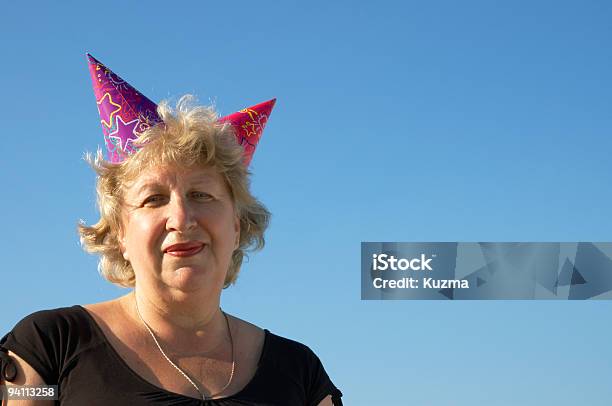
(155, 185)
(148, 185)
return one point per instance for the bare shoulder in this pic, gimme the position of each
(104, 308)
(111, 318)
(107, 314)
(248, 329)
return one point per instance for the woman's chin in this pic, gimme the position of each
(192, 278)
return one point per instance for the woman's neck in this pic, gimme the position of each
(189, 325)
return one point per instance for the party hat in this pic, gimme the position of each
(248, 126)
(125, 113)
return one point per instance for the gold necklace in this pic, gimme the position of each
(204, 397)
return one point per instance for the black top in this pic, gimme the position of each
(67, 348)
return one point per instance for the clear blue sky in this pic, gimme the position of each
(395, 121)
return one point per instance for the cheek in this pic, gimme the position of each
(221, 226)
(144, 233)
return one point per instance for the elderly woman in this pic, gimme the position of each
(176, 219)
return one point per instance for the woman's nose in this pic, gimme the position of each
(180, 215)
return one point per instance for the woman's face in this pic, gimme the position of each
(180, 228)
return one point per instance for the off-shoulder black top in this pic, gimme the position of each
(67, 348)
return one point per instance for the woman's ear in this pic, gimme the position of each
(121, 240)
(237, 231)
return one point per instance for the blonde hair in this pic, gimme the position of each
(188, 136)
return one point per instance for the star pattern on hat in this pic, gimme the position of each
(123, 133)
(254, 128)
(250, 112)
(105, 106)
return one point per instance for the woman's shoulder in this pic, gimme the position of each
(261, 348)
(274, 347)
(289, 354)
(51, 322)
(289, 346)
(287, 358)
(50, 325)
(250, 341)
(48, 340)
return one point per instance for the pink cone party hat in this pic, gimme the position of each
(125, 113)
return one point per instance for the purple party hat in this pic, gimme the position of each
(124, 112)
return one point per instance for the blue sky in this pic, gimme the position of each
(395, 121)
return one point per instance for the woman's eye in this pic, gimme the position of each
(201, 196)
(153, 200)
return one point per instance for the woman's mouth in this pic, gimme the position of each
(184, 250)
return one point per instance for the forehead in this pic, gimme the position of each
(174, 176)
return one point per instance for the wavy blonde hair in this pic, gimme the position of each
(189, 135)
